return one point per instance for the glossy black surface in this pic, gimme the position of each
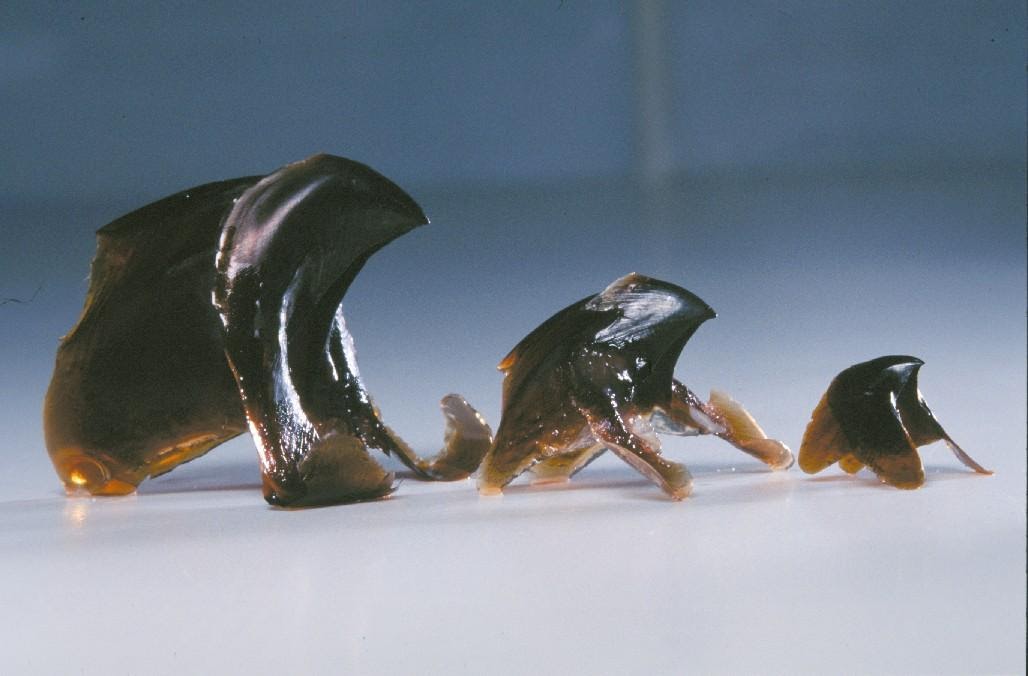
(289, 250)
(230, 293)
(607, 351)
(599, 375)
(875, 401)
(873, 414)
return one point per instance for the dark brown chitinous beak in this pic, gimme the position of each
(217, 309)
(873, 415)
(599, 375)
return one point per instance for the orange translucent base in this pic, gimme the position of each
(84, 474)
(92, 474)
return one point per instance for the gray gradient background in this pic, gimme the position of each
(838, 180)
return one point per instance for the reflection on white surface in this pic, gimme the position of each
(756, 572)
(75, 512)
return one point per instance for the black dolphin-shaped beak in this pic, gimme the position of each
(873, 415)
(217, 310)
(599, 375)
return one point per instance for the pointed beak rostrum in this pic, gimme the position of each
(704, 313)
(386, 197)
(892, 372)
(364, 186)
(405, 206)
(693, 309)
(912, 363)
(650, 307)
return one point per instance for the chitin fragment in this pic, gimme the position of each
(218, 309)
(599, 375)
(873, 415)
